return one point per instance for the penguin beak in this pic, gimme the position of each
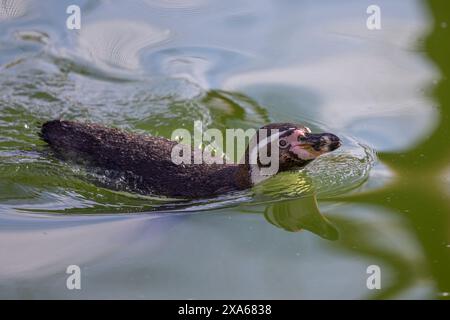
(324, 142)
(308, 146)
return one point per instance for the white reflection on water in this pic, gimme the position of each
(118, 42)
(44, 246)
(12, 8)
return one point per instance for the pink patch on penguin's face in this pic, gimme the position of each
(302, 149)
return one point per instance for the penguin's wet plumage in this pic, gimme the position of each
(146, 165)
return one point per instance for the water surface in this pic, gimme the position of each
(153, 66)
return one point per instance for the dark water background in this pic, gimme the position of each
(157, 65)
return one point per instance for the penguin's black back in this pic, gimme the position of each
(144, 159)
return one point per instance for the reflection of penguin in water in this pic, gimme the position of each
(146, 163)
(301, 214)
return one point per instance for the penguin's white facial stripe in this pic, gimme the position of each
(289, 139)
(263, 144)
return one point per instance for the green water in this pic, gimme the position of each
(153, 66)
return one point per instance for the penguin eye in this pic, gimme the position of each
(282, 143)
(301, 139)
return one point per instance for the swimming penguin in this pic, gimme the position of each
(146, 163)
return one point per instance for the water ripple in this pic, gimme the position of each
(12, 8)
(117, 43)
